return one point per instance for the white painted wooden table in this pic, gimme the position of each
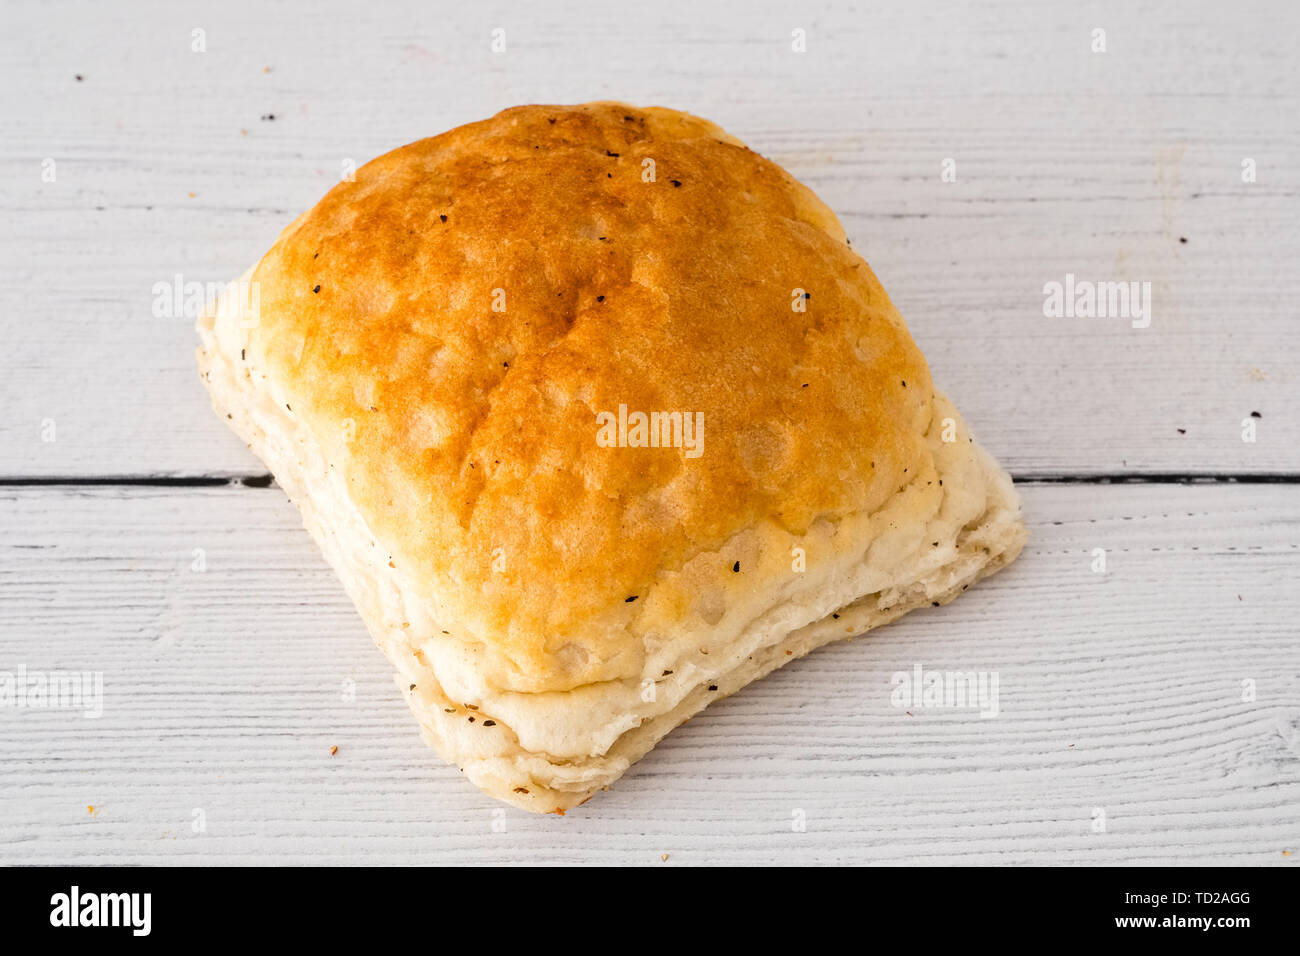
(1121, 692)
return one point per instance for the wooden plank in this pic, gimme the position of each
(1068, 161)
(224, 692)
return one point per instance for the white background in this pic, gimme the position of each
(1120, 692)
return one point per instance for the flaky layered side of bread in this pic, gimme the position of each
(423, 368)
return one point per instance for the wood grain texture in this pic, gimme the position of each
(1097, 164)
(224, 691)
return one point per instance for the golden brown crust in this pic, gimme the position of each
(467, 436)
(445, 454)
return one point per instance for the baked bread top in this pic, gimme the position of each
(450, 325)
